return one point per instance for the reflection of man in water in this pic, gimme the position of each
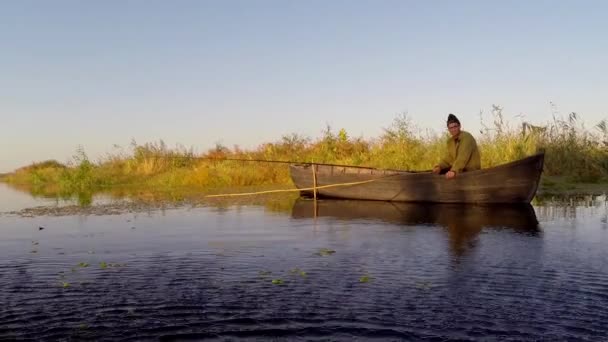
(463, 229)
(462, 154)
(465, 223)
(462, 237)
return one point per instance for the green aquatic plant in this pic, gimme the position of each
(424, 285)
(104, 264)
(365, 279)
(325, 252)
(297, 271)
(277, 281)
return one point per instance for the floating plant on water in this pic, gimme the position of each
(104, 264)
(424, 285)
(298, 272)
(365, 279)
(325, 252)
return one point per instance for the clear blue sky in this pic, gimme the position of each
(99, 73)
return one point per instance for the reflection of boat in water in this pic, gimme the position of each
(462, 222)
(519, 216)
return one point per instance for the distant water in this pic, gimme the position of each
(337, 270)
(11, 199)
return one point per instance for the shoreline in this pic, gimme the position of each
(282, 202)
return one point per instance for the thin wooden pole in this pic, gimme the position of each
(314, 190)
(314, 181)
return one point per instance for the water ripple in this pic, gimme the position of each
(310, 280)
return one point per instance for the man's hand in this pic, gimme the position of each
(436, 170)
(450, 175)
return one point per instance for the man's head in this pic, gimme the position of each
(453, 125)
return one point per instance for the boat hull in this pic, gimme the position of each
(514, 182)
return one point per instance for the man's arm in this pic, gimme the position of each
(444, 163)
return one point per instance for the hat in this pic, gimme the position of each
(452, 118)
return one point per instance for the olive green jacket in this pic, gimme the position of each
(462, 154)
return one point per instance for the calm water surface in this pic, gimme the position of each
(340, 270)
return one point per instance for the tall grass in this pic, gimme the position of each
(577, 153)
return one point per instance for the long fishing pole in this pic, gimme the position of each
(290, 162)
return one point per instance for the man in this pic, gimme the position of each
(462, 153)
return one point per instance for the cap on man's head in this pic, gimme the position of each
(452, 118)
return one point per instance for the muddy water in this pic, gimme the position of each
(338, 270)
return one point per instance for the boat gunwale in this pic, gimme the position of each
(412, 173)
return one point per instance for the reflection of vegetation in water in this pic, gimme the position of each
(570, 200)
(280, 202)
(574, 153)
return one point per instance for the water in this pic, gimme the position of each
(340, 270)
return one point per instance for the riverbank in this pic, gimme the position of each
(576, 158)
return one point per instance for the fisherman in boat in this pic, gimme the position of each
(462, 154)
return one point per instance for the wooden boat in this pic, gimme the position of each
(514, 182)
